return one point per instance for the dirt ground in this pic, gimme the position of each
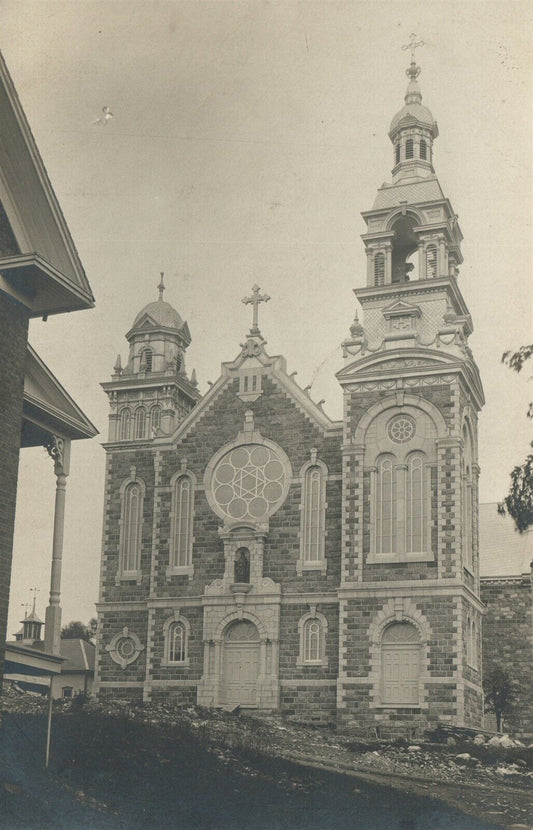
(117, 766)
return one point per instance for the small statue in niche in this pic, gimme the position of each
(242, 565)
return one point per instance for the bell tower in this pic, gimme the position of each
(152, 393)
(412, 391)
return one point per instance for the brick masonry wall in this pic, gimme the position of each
(112, 622)
(508, 641)
(289, 646)
(14, 338)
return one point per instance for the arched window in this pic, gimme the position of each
(385, 498)
(431, 261)
(312, 641)
(423, 149)
(140, 422)
(132, 510)
(181, 524)
(146, 360)
(409, 148)
(398, 153)
(125, 424)
(416, 502)
(379, 269)
(313, 516)
(400, 665)
(176, 632)
(155, 420)
(177, 643)
(312, 629)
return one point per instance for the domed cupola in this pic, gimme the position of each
(158, 338)
(412, 131)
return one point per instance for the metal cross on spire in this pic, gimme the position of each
(254, 300)
(161, 286)
(414, 44)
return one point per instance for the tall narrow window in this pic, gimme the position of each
(312, 641)
(312, 629)
(467, 512)
(182, 519)
(423, 149)
(131, 526)
(313, 516)
(416, 505)
(398, 153)
(140, 422)
(384, 503)
(431, 261)
(400, 665)
(409, 148)
(379, 269)
(125, 424)
(155, 420)
(176, 631)
(146, 360)
(177, 643)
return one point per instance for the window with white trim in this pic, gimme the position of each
(423, 149)
(140, 422)
(385, 504)
(181, 530)
(146, 360)
(131, 526)
(155, 419)
(409, 149)
(125, 424)
(313, 515)
(416, 504)
(176, 631)
(400, 665)
(312, 629)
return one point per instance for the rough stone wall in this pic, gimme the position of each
(508, 641)
(14, 338)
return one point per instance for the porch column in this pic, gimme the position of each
(59, 451)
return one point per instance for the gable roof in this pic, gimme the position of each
(48, 274)
(503, 551)
(78, 655)
(47, 406)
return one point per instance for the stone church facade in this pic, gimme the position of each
(257, 553)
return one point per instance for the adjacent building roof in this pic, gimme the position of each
(503, 551)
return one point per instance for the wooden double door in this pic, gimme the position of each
(241, 662)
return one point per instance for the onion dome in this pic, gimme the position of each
(160, 312)
(413, 111)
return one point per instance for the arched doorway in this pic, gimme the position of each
(240, 663)
(400, 664)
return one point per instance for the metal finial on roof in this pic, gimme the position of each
(413, 71)
(161, 286)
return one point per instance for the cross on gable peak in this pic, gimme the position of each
(255, 299)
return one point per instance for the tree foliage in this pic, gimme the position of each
(500, 694)
(75, 630)
(519, 501)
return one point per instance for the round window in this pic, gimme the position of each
(401, 428)
(249, 482)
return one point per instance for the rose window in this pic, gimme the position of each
(249, 482)
(401, 429)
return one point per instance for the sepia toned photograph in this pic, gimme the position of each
(266, 480)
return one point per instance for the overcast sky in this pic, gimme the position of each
(247, 138)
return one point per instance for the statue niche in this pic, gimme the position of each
(242, 565)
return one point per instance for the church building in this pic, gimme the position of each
(257, 553)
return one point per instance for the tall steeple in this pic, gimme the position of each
(412, 392)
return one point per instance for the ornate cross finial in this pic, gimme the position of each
(161, 286)
(414, 71)
(414, 44)
(254, 300)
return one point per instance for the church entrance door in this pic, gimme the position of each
(241, 664)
